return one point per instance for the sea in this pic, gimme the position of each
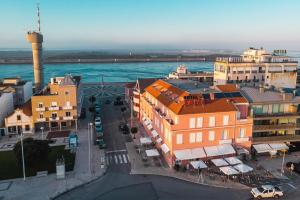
(111, 72)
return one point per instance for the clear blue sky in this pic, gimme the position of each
(167, 24)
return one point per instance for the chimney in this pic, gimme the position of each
(261, 89)
(212, 96)
(237, 86)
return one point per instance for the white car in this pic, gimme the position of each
(97, 121)
(266, 191)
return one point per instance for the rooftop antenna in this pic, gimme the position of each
(38, 15)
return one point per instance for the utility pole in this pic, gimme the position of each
(23, 159)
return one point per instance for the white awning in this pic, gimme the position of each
(219, 150)
(243, 168)
(154, 133)
(219, 162)
(199, 164)
(149, 127)
(159, 140)
(198, 153)
(262, 148)
(279, 146)
(145, 140)
(189, 154)
(165, 148)
(152, 153)
(233, 160)
(228, 170)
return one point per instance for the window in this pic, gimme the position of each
(53, 104)
(66, 92)
(41, 115)
(27, 127)
(68, 114)
(192, 137)
(199, 122)
(54, 115)
(225, 120)
(211, 135)
(199, 137)
(192, 122)
(212, 121)
(179, 138)
(242, 132)
(40, 105)
(18, 117)
(161, 128)
(224, 135)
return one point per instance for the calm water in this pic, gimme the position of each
(112, 72)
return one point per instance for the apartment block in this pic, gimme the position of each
(255, 67)
(192, 121)
(59, 104)
(6, 107)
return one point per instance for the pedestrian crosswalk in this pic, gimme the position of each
(116, 158)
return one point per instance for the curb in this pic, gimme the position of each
(187, 180)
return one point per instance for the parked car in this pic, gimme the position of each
(98, 128)
(266, 191)
(124, 128)
(101, 144)
(293, 166)
(98, 121)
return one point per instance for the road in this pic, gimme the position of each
(117, 183)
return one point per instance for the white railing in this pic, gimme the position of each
(54, 119)
(41, 119)
(228, 141)
(54, 108)
(68, 107)
(241, 140)
(68, 118)
(40, 109)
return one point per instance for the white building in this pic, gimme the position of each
(6, 106)
(183, 73)
(20, 120)
(255, 67)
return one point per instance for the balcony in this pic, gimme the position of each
(241, 140)
(54, 119)
(68, 107)
(40, 109)
(228, 141)
(278, 115)
(136, 100)
(41, 119)
(259, 128)
(283, 138)
(136, 108)
(68, 118)
(53, 108)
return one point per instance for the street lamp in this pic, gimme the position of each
(23, 159)
(42, 129)
(282, 164)
(90, 126)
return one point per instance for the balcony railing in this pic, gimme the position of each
(68, 118)
(227, 141)
(54, 119)
(40, 109)
(274, 127)
(41, 119)
(241, 140)
(53, 108)
(68, 107)
(283, 138)
(275, 115)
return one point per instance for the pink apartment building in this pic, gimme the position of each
(191, 121)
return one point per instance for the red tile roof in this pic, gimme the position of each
(227, 88)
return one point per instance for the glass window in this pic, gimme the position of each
(199, 137)
(242, 132)
(192, 137)
(281, 108)
(265, 109)
(224, 135)
(225, 120)
(257, 109)
(212, 121)
(40, 105)
(199, 122)
(68, 114)
(18, 117)
(192, 122)
(179, 138)
(276, 108)
(211, 135)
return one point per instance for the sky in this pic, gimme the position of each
(153, 24)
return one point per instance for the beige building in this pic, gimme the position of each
(20, 120)
(255, 67)
(59, 104)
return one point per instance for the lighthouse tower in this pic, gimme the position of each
(36, 40)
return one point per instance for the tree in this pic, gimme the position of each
(134, 130)
(92, 99)
(34, 151)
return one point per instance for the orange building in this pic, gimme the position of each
(59, 104)
(191, 121)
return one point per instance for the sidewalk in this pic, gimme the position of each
(39, 188)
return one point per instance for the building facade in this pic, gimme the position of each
(6, 106)
(183, 73)
(20, 121)
(255, 67)
(275, 114)
(59, 104)
(190, 125)
(22, 90)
